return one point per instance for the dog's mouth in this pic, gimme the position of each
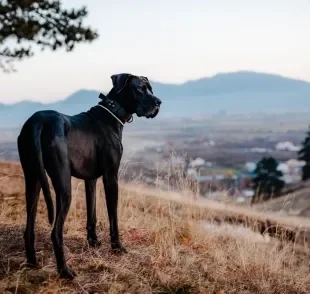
(148, 113)
(155, 112)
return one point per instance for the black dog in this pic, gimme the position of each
(86, 146)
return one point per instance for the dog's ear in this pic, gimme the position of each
(119, 81)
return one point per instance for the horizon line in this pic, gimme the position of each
(162, 83)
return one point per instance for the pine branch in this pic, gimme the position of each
(40, 23)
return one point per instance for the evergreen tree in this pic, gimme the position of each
(304, 154)
(43, 23)
(267, 179)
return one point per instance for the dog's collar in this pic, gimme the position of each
(114, 109)
(108, 110)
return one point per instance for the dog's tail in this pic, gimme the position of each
(42, 175)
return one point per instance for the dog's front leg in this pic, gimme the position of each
(90, 189)
(111, 194)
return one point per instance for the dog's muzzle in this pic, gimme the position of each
(156, 111)
(149, 108)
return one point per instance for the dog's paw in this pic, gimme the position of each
(67, 273)
(94, 242)
(118, 248)
(31, 264)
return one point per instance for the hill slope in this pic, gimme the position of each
(173, 248)
(239, 92)
(296, 203)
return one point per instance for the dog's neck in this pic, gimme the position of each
(108, 102)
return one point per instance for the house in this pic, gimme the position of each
(250, 166)
(295, 166)
(294, 163)
(198, 162)
(291, 170)
(287, 146)
(283, 167)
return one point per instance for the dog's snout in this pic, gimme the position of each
(157, 102)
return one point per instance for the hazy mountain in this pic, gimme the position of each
(239, 92)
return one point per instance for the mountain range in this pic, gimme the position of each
(240, 92)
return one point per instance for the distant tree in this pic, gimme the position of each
(267, 179)
(304, 154)
(43, 23)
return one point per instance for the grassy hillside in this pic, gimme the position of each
(176, 245)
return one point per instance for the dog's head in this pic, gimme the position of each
(135, 95)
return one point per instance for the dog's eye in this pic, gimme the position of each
(144, 88)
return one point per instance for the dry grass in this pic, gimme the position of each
(169, 250)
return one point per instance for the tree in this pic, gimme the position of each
(267, 179)
(42, 23)
(304, 154)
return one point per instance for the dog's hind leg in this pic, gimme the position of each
(58, 169)
(32, 192)
(33, 188)
(90, 189)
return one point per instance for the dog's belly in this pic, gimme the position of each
(83, 164)
(91, 154)
(82, 155)
(84, 169)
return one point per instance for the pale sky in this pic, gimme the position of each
(170, 41)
